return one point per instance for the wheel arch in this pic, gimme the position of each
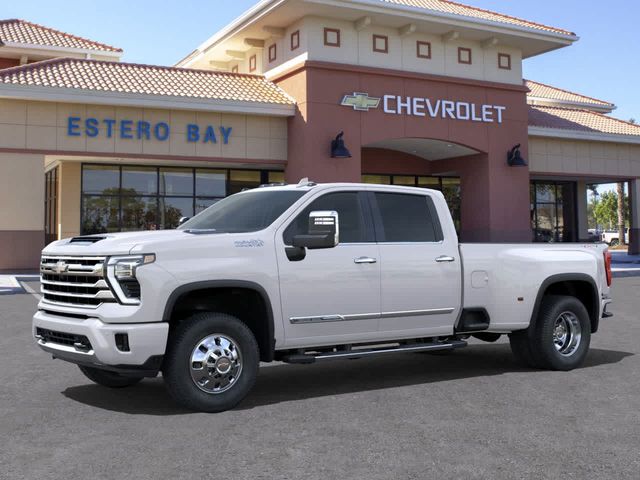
(210, 291)
(578, 285)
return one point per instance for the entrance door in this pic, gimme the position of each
(333, 294)
(420, 269)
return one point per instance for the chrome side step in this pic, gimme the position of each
(352, 354)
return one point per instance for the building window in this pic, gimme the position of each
(449, 186)
(273, 53)
(504, 61)
(423, 49)
(381, 44)
(253, 63)
(464, 56)
(553, 211)
(51, 206)
(125, 198)
(295, 40)
(234, 69)
(331, 37)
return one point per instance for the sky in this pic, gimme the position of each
(603, 64)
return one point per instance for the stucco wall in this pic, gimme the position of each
(603, 159)
(43, 126)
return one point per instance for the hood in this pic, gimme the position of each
(113, 243)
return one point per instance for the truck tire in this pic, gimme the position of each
(560, 337)
(211, 362)
(107, 378)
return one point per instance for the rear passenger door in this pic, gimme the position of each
(420, 268)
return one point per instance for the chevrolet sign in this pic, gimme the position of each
(427, 107)
(361, 102)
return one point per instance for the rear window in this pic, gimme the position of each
(407, 218)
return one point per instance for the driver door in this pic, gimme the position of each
(332, 294)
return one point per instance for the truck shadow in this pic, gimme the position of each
(285, 383)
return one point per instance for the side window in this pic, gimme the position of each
(350, 216)
(407, 218)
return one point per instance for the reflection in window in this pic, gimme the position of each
(139, 180)
(139, 213)
(173, 209)
(176, 181)
(553, 211)
(241, 179)
(129, 198)
(100, 214)
(100, 179)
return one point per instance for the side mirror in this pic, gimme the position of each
(324, 231)
(183, 220)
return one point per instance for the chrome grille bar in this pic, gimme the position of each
(77, 281)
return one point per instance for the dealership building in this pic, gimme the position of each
(428, 93)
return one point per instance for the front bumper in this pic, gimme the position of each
(147, 343)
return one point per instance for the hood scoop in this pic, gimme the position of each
(87, 239)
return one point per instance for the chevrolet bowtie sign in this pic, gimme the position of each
(360, 101)
(426, 107)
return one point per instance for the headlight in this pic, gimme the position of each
(121, 273)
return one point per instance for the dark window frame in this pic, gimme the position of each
(535, 224)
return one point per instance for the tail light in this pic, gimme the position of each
(607, 266)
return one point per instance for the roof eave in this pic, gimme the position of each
(547, 132)
(74, 95)
(62, 50)
(552, 102)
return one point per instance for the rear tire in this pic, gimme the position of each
(107, 378)
(560, 338)
(211, 362)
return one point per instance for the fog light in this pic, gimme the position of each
(122, 342)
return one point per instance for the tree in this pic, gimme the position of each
(606, 210)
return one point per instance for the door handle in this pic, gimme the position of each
(445, 258)
(360, 260)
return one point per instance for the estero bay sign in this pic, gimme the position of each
(144, 130)
(426, 107)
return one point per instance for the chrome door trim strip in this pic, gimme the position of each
(417, 313)
(367, 316)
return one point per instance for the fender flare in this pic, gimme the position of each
(266, 356)
(594, 309)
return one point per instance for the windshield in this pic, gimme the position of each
(244, 212)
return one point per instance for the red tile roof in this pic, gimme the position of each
(21, 31)
(554, 93)
(446, 6)
(117, 77)
(579, 120)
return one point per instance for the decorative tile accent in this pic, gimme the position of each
(295, 40)
(253, 63)
(380, 43)
(423, 49)
(273, 52)
(504, 61)
(464, 56)
(331, 37)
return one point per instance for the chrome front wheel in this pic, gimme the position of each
(216, 363)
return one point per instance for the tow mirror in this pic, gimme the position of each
(324, 231)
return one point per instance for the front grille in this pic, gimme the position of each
(75, 281)
(61, 338)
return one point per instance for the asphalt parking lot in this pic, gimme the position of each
(472, 414)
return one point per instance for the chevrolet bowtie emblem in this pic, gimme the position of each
(361, 102)
(60, 267)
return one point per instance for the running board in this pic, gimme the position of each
(414, 347)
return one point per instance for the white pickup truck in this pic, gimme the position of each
(302, 274)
